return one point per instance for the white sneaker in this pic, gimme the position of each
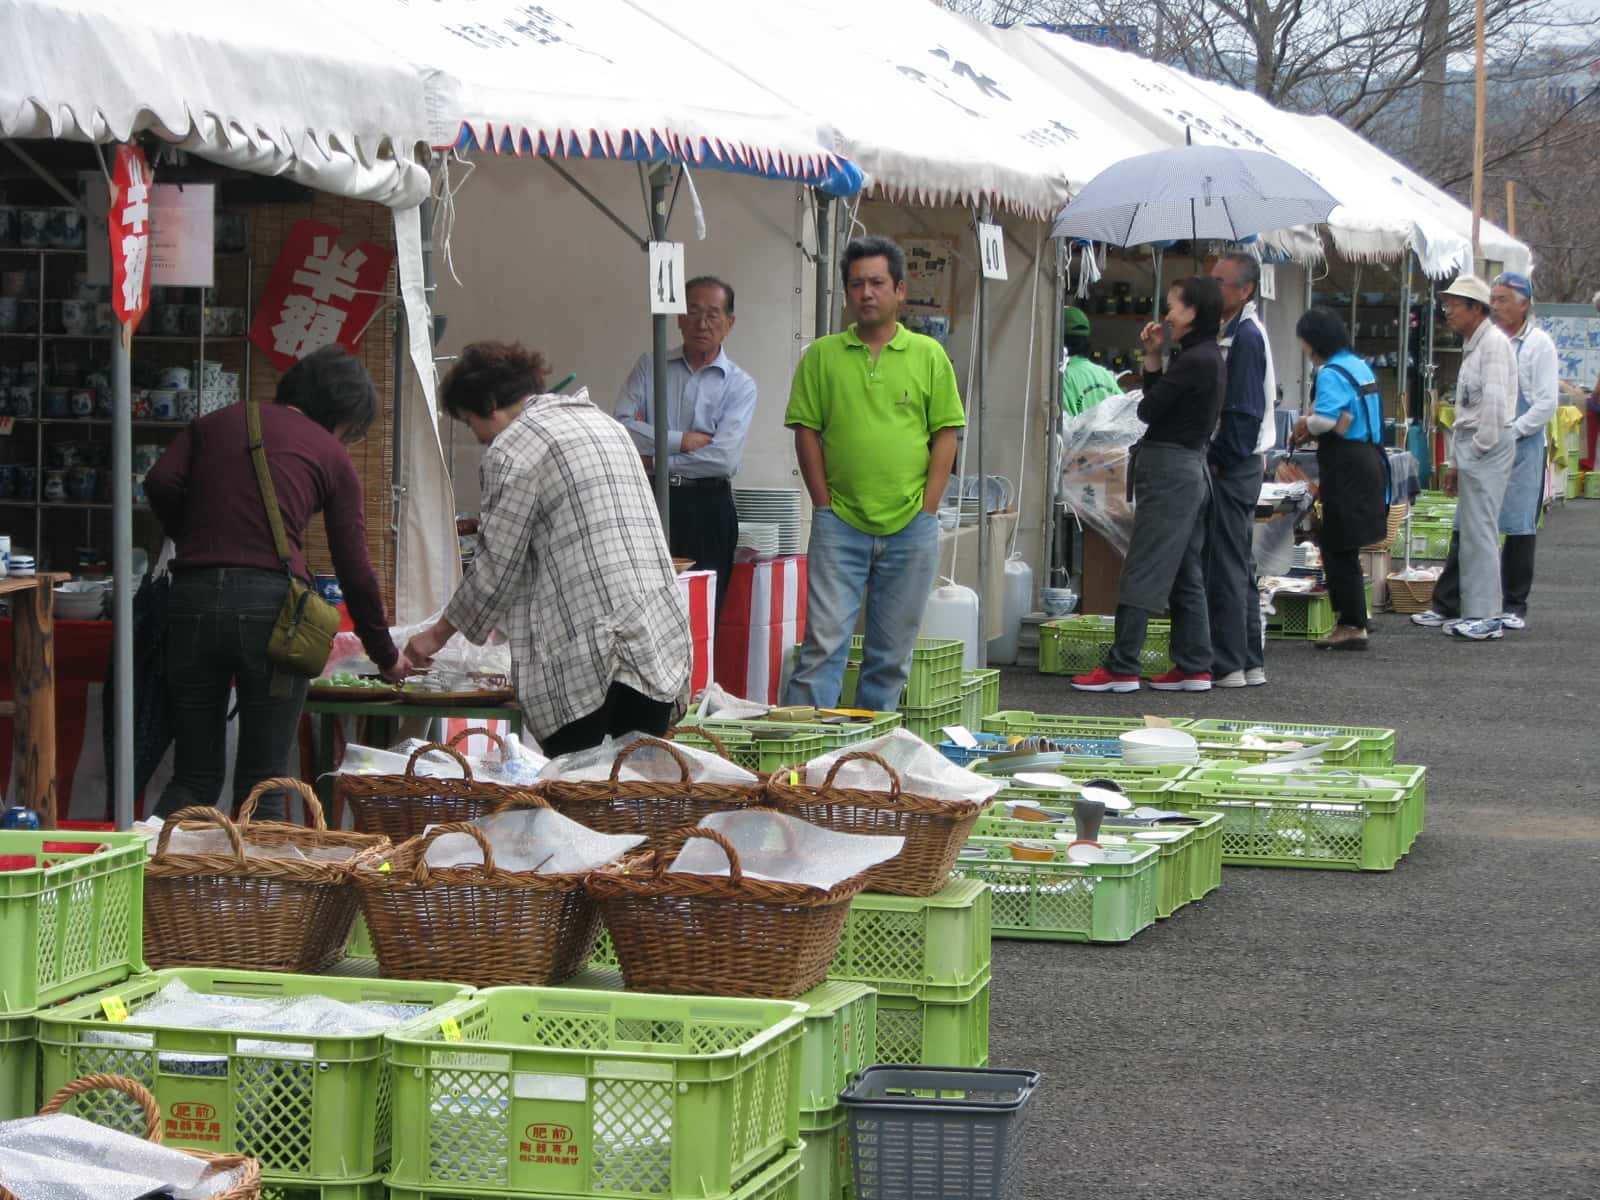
(1486, 630)
(1231, 680)
(1512, 621)
(1450, 623)
(1430, 619)
(1255, 676)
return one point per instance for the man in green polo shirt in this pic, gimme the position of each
(874, 412)
(1084, 382)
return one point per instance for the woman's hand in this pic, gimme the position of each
(1153, 338)
(419, 651)
(1301, 434)
(397, 671)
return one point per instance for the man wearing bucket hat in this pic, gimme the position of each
(1084, 382)
(1538, 394)
(1482, 449)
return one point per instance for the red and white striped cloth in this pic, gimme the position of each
(763, 619)
(699, 591)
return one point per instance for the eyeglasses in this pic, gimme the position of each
(711, 316)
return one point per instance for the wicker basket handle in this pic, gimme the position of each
(676, 840)
(247, 810)
(864, 756)
(422, 869)
(136, 1091)
(466, 770)
(521, 798)
(700, 731)
(207, 815)
(482, 731)
(677, 756)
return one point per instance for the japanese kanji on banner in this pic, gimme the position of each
(763, 619)
(128, 218)
(322, 291)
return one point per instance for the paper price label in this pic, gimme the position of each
(666, 278)
(992, 249)
(1269, 281)
(451, 1028)
(114, 1008)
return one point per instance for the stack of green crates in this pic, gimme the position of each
(980, 696)
(1411, 780)
(71, 923)
(1271, 823)
(567, 1092)
(929, 959)
(1061, 900)
(759, 746)
(1077, 645)
(932, 695)
(1300, 616)
(1375, 749)
(314, 1110)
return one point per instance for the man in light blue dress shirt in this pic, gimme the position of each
(710, 404)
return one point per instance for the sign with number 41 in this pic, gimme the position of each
(666, 278)
(992, 247)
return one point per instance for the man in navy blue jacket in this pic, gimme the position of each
(1244, 434)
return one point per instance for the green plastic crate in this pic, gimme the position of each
(929, 722)
(906, 944)
(73, 924)
(1591, 485)
(360, 944)
(1338, 752)
(936, 666)
(357, 1189)
(1015, 723)
(1411, 780)
(1300, 616)
(825, 1159)
(19, 1067)
(779, 1180)
(311, 1119)
(605, 951)
(838, 1040)
(1574, 480)
(1376, 749)
(759, 750)
(1131, 777)
(1339, 829)
(834, 737)
(1429, 540)
(1077, 645)
(951, 1031)
(980, 695)
(1063, 901)
(561, 1092)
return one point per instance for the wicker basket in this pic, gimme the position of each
(403, 806)
(1397, 526)
(249, 1185)
(647, 806)
(934, 830)
(476, 923)
(1410, 595)
(255, 913)
(718, 935)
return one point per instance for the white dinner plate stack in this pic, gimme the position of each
(760, 536)
(783, 508)
(1159, 747)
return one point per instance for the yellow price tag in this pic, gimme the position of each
(451, 1029)
(386, 868)
(114, 1008)
(794, 778)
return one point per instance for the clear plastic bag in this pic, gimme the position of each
(648, 762)
(784, 849)
(63, 1157)
(715, 701)
(456, 657)
(1094, 466)
(540, 840)
(922, 770)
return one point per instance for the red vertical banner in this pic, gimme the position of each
(322, 291)
(128, 218)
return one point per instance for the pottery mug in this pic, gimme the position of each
(187, 402)
(164, 404)
(55, 484)
(82, 401)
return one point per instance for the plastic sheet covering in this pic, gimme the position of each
(784, 849)
(1094, 466)
(212, 840)
(923, 771)
(63, 1157)
(647, 763)
(457, 657)
(713, 701)
(540, 840)
(517, 765)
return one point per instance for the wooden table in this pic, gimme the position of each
(383, 717)
(34, 653)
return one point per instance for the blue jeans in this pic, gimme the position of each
(896, 574)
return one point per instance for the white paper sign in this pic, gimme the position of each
(992, 249)
(666, 278)
(1269, 281)
(181, 237)
(961, 736)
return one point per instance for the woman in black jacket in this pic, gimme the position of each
(1164, 567)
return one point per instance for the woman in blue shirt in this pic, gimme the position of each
(1347, 423)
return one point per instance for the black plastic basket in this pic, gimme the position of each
(937, 1133)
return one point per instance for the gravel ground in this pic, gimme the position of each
(1430, 1031)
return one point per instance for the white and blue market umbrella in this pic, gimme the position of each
(1195, 192)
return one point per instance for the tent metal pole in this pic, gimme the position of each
(122, 780)
(1402, 371)
(824, 285)
(660, 175)
(1058, 295)
(983, 480)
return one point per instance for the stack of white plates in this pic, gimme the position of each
(1156, 747)
(760, 536)
(783, 508)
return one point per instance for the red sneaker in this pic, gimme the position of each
(1102, 680)
(1178, 681)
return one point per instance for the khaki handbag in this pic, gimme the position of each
(302, 636)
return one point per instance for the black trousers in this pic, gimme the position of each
(624, 711)
(1347, 587)
(1233, 605)
(1516, 576)
(705, 527)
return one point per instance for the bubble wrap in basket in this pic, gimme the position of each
(648, 763)
(784, 849)
(62, 1157)
(215, 841)
(533, 839)
(923, 771)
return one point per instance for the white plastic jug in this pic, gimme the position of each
(1016, 603)
(952, 612)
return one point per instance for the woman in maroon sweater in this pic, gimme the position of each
(228, 582)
